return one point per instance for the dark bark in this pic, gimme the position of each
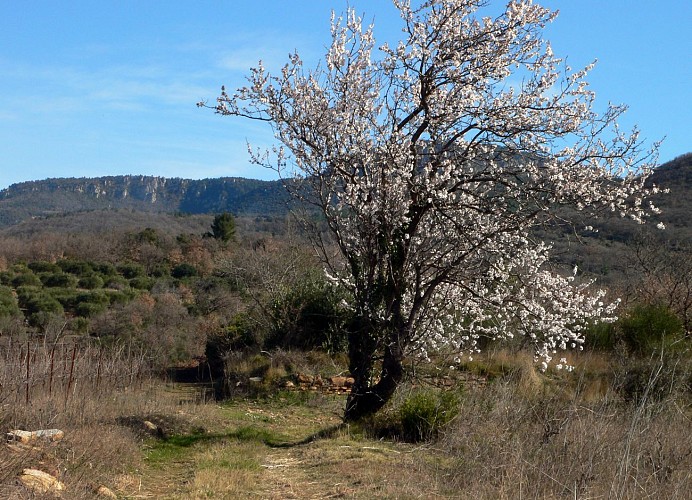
(366, 399)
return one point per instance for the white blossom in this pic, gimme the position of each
(432, 165)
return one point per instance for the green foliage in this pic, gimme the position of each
(142, 283)
(91, 282)
(223, 227)
(6, 277)
(147, 235)
(91, 303)
(650, 327)
(59, 280)
(42, 266)
(130, 270)
(184, 270)
(420, 416)
(116, 283)
(160, 270)
(426, 412)
(26, 279)
(76, 267)
(601, 337)
(105, 269)
(8, 303)
(38, 305)
(309, 316)
(239, 334)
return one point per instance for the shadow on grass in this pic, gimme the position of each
(171, 446)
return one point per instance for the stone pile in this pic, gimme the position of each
(332, 385)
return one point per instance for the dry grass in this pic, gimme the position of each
(571, 438)
(522, 435)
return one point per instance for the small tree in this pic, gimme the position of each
(223, 227)
(432, 160)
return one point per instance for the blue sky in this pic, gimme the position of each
(92, 88)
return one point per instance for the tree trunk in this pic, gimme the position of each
(366, 399)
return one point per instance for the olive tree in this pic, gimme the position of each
(432, 160)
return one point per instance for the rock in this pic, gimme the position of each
(304, 379)
(154, 429)
(256, 380)
(289, 385)
(150, 426)
(105, 492)
(337, 381)
(29, 436)
(40, 481)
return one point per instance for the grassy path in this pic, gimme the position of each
(249, 449)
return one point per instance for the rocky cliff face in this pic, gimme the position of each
(42, 198)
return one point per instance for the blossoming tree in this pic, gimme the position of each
(432, 161)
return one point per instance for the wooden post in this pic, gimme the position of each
(28, 369)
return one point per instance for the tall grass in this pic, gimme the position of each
(561, 441)
(39, 379)
(81, 389)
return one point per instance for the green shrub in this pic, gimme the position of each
(59, 280)
(130, 270)
(160, 270)
(6, 277)
(184, 270)
(105, 269)
(121, 296)
(426, 412)
(26, 279)
(66, 296)
(142, 283)
(240, 334)
(116, 283)
(309, 316)
(650, 327)
(90, 282)
(91, 303)
(76, 267)
(601, 336)
(8, 303)
(42, 266)
(38, 305)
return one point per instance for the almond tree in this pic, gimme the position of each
(431, 161)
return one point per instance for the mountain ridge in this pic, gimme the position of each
(36, 199)
(240, 196)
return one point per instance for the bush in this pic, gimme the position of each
(131, 270)
(601, 336)
(42, 266)
(76, 267)
(116, 283)
(309, 316)
(425, 413)
(8, 303)
(38, 305)
(6, 277)
(105, 269)
(142, 283)
(650, 327)
(183, 270)
(59, 280)
(91, 282)
(26, 279)
(89, 304)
